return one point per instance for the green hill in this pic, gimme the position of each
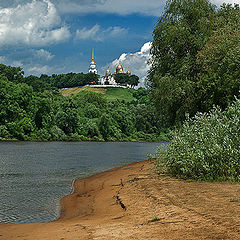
(120, 94)
(111, 93)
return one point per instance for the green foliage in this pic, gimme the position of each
(67, 117)
(45, 82)
(30, 110)
(3, 132)
(88, 128)
(124, 119)
(13, 74)
(125, 79)
(206, 148)
(37, 84)
(219, 79)
(108, 128)
(70, 79)
(195, 58)
(121, 78)
(57, 134)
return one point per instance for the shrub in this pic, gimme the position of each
(206, 148)
(57, 134)
(43, 135)
(3, 132)
(88, 128)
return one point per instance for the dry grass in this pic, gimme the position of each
(75, 91)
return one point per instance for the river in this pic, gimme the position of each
(34, 175)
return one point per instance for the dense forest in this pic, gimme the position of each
(195, 85)
(32, 108)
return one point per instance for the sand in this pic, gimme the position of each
(132, 202)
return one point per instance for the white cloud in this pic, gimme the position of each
(123, 7)
(38, 70)
(43, 54)
(2, 59)
(17, 63)
(98, 34)
(33, 62)
(91, 33)
(136, 62)
(220, 2)
(35, 24)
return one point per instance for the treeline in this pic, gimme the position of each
(30, 110)
(58, 81)
(45, 82)
(195, 59)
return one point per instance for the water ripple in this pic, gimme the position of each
(34, 176)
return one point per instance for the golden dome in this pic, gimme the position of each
(120, 70)
(92, 62)
(128, 71)
(108, 73)
(119, 66)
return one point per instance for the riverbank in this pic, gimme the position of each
(131, 202)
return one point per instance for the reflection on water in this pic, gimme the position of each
(34, 176)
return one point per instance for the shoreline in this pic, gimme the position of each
(73, 141)
(132, 202)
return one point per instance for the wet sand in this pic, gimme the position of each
(132, 202)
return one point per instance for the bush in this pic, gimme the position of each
(3, 132)
(44, 135)
(206, 148)
(88, 128)
(57, 134)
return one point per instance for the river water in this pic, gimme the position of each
(34, 176)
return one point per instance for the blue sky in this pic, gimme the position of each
(57, 36)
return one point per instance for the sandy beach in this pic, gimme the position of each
(132, 202)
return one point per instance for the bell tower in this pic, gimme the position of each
(93, 66)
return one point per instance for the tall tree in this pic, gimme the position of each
(180, 33)
(219, 81)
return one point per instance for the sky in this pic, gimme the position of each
(57, 36)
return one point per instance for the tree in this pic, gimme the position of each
(37, 84)
(180, 33)
(108, 128)
(121, 78)
(13, 74)
(67, 117)
(91, 77)
(133, 80)
(125, 119)
(219, 81)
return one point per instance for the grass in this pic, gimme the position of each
(120, 94)
(75, 91)
(154, 219)
(111, 94)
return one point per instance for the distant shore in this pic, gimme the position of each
(132, 202)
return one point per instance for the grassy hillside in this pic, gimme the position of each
(75, 91)
(120, 94)
(110, 93)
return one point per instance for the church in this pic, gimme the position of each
(108, 78)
